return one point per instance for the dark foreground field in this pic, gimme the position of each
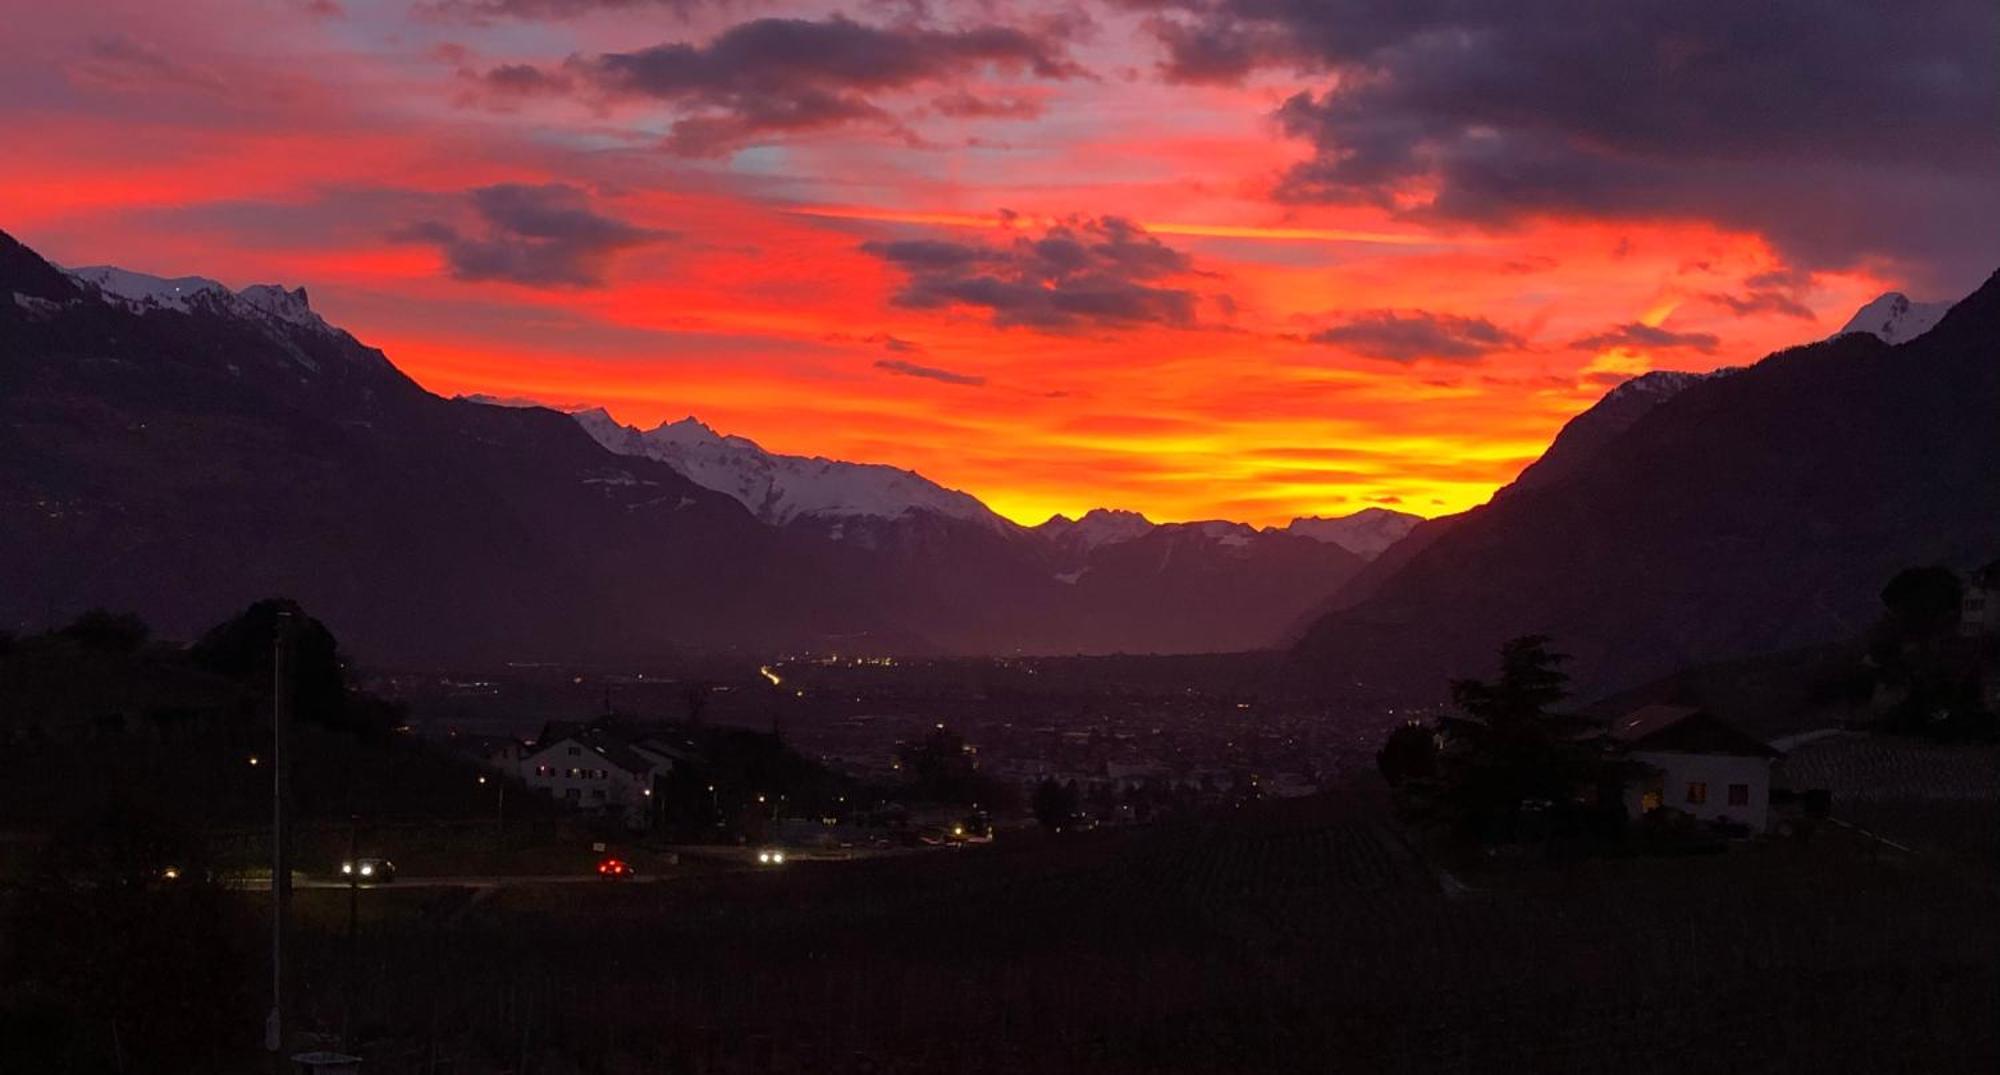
(1297, 937)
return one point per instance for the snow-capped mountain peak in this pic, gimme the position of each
(1099, 526)
(1893, 318)
(141, 292)
(173, 293)
(1661, 385)
(781, 488)
(1365, 533)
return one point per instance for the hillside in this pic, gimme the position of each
(174, 447)
(1746, 514)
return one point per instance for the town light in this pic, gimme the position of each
(253, 759)
(482, 778)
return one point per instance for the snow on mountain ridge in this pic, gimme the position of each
(1366, 533)
(1663, 384)
(1893, 318)
(1099, 526)
(140, 292)
(781, 488)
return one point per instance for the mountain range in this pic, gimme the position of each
(1686, 519)
(177, 448)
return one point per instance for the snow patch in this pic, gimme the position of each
(1365, 533)
(143, 292)
(1893, 318)
(780, 488)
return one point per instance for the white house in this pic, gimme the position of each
(592, 769)
(1697, 764)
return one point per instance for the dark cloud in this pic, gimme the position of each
(1410, 335)
(545, 235)
(1647, 337)
(521, 79)
(551, 9)
(962, 104)
(1841, 131)
(911, 369)
(117, 61)
(1221, 51)
(1762, 302)
(775, 76)
(1102, 272)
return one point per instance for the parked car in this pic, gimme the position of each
(378, 871)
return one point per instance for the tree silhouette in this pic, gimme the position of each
(108, 632)
(1507, 753)
(241, 649)
(1410, 754)
(1055, 805)
(1922, 602)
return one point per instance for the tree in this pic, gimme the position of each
(1410, 754)
(1055, 805)
(1508, 753)
(241, 649)
(1930, 677)
(108, 632)
(1922, 602)
(940, 768)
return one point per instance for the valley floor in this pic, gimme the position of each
(1298, 936)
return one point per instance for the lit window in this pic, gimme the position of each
(1739, 795)
(1697, 792)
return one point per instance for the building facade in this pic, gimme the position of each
(1696, 764)
(593, 770)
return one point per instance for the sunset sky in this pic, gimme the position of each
(1247, 259)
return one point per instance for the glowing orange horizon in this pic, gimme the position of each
(744, 295)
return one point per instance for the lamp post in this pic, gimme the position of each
(500, 810)
(353, 918)
(281, 889)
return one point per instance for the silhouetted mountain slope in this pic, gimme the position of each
(1184, 587)
(1747, 514)
(179, 449)
(183, 463)
(1583, 436)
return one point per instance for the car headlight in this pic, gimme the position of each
(347, 867)
(764, 857)
(777, 856)
(367, 871)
